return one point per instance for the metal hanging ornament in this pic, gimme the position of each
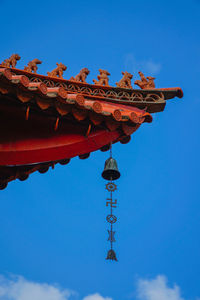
(111, 173)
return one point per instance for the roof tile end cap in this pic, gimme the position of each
(178, 90)
(179, 93)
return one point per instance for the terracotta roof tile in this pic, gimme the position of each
(6, 72)
(57, 92)
(20, 79)
(60, 99)
(38, 86)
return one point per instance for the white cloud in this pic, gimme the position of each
(96, 297)
(148, 66)
(151, 66)
(19, 288)
(157, 289)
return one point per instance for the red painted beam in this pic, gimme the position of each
(57, 147)
(35, 140)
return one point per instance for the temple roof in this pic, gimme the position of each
(50, 119)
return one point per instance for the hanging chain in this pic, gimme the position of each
(111, 187)
(111, 149)
(111, 173)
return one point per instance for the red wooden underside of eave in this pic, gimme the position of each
(35, 141)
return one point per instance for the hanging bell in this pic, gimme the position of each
(111, 255)
(110, 171)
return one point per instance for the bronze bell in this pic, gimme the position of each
(111, 255)
(110, 171)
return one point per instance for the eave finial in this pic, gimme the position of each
(58, 72)
(11, 61)
(103, 78)
(125, 82)
(145, 82)
(32, 66)
(81, 76)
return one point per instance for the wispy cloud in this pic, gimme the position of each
(157, 289)
(132, 65)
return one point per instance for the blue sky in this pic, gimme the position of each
(52, 227)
